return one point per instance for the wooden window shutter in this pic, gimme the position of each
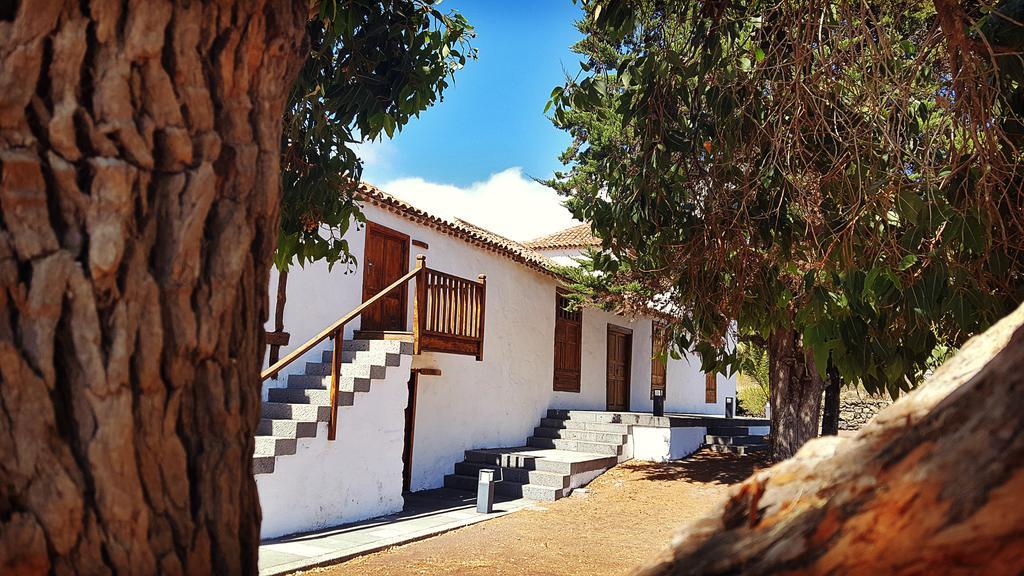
(568, 345)
(711, 388)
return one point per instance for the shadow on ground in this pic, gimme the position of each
(702, 466)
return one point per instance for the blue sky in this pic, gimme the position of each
(473, 154)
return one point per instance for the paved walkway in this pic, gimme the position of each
(426, 513)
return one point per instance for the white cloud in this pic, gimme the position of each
(376, 155)
(506, 203)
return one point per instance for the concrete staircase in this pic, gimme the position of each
(296, 410)
(728, 438)
(567, 451)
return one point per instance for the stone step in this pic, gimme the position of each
(346, 383)
(734, 440)
(587, 435)
(389, 346)
(364, 371)
(528, 458)
(286, 428)
(274, 446)
(576, 446)
(507, 488)
(728, 430)
(601, 417)
(303, 412)
(578, 425)
(263, 465)
(380, 357)
(738, 450)
(373, 366)
(519, 475)
(383, 335)
(316, 396)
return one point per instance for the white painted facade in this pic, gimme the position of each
(495, 402)
(661, 444)
(355, 477)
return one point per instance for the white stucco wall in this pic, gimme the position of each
(355, 477)
(664, 444)
(496, 402)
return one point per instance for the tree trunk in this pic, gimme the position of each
(139, 192)
(830, 410)
(794, 394)
(931, 486)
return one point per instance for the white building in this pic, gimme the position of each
(407, 419)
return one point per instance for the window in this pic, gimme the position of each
(711, 388)
(659, 347)
(568, 350)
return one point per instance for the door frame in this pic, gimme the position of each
(628, 333)
(372, 228)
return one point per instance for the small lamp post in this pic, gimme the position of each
(485, 492)
(658, 396)
(730, 408)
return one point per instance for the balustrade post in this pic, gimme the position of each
(483, 312)
(419, 302)
(336, 356)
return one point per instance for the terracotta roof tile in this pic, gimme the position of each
(461, 229)
(578, 236)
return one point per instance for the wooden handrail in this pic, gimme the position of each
(337, 330)
(340, 323)
(458, 329)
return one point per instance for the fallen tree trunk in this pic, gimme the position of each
(931, 486)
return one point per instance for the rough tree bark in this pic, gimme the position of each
(830, 408)
(139, 192)
(931, 486)
(794, 394)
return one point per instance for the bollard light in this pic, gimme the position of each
(659, 401)
(485, 492)
(730, 408)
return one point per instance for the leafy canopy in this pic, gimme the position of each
(850, 171)
(373, 66)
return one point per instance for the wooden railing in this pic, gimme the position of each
(448, 316)
(450, 313)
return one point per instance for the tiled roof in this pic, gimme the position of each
(578, 236)
(459, 228)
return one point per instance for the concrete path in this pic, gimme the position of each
(426, 513)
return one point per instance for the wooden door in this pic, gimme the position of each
(568, 349)
(386, 259)
(620, 347)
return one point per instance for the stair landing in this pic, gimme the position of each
(530, 472)
(383, 335)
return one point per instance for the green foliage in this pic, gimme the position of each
(843, 180)
(373, 66)
(752, 380)
(754, 364)
(750, 398)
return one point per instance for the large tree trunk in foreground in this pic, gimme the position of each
(794, 394)
(931, 486)
(139, 192)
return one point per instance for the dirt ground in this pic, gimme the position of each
(627, 515)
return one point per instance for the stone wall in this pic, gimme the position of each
(857, 407)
